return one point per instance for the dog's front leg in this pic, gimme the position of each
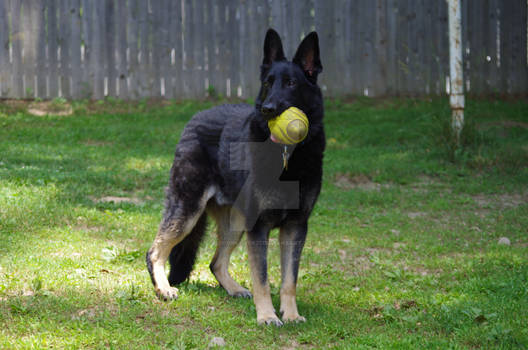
(258, 251)
(292, 237)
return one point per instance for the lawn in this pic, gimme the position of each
(403, 247)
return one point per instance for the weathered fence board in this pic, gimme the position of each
(4, 49)
(132, 49)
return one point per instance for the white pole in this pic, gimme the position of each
(456, 72)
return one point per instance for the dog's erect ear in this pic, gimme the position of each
(307, 57)
(272, 48)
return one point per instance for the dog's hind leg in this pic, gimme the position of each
(178, 221)
(292, 237)
(229, 234)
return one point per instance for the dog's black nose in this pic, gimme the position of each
(269, 110)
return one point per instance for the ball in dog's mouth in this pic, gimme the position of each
(290, 127)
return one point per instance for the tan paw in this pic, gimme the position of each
(240, 293)
(274, 320)
(293, 318)
(169, 293)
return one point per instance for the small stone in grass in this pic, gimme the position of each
(217, 341)
(504, 241)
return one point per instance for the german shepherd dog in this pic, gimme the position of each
(227, 167)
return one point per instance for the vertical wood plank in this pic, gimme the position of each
(165, 44)
(234, 34)
(506, 50)
(369, 16)
(403, 48)
(64, 45)
(324, 26)
(444, 42)
(5, 84)
(188, 48)
(132, 36)
(158, 34)
(143, 77)
(110, 43)
(433, 48)
(518, 72)
(41, 68)
(242, 51)
(176, 39)
(263, 12)
(490, 33)
(356, 54)
(380, 48)
(29, 41)
(212, 17)
(347, 44)
(75, 48)
(392, 49)
(16, 47)
(88, 43)
(338, 22)
(297, 12)
(522, 28)
(288, 31)
(466, 48)
(277, 17)
(122, 24)
(307, 15)
(199, 52)
(53, 45)
(470, 51)
(163, 48)
(98, 59)
(223, 49)
(156, 48)
(413, 42)
(253, 52)
(421, 69)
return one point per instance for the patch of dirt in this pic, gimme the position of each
(13, 106)
(97, 143)
(361, 264)
(501, 201)
(414, 215)
(361, 181)
(504, 124)
(44, 108)
(118, 200)
(424, 184)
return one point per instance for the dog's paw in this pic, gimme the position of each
(169, 293)
(296, 318)
(243, 293)
(271, 320)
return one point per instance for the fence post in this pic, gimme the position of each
(456, 98)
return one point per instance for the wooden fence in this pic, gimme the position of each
(188, 48)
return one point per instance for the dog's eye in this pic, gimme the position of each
(290, 82)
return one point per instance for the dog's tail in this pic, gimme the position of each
(183, 255)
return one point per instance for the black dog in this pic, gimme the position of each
(227, 167)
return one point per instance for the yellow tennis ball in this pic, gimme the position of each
(290, 127)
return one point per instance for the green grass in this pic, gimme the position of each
(402, 251)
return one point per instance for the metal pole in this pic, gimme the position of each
(456, 72)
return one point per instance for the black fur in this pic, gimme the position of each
(226, 153)
(183, 255)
